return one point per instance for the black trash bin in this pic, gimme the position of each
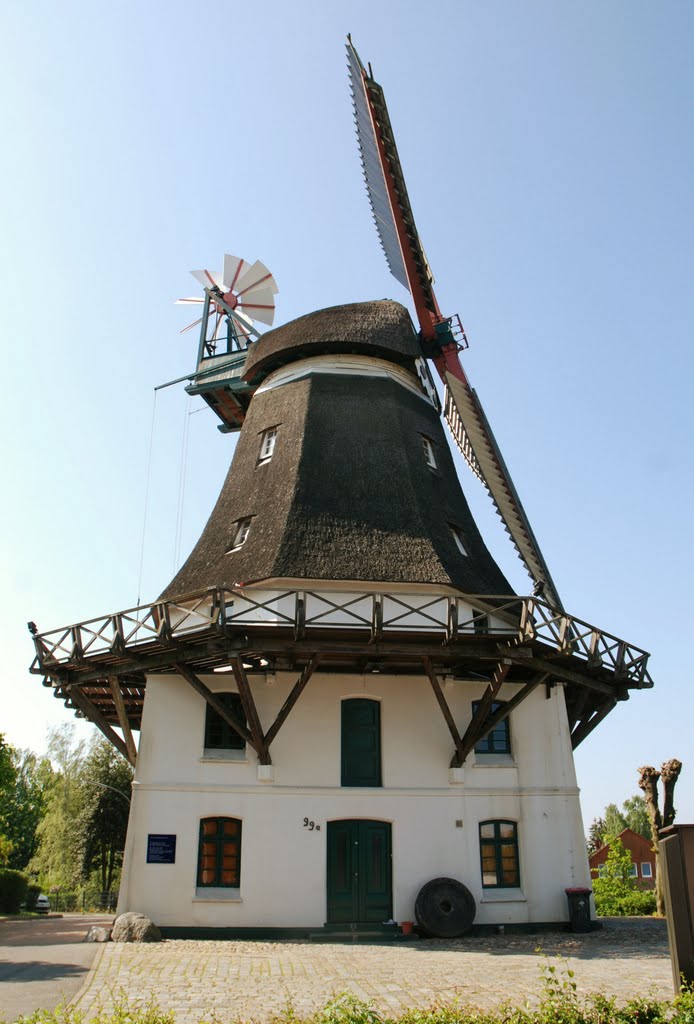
(579, 908)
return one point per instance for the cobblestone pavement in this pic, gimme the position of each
(233, 980)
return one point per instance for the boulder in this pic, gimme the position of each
(133, 927)
(97, 934)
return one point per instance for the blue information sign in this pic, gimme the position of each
(161, 849)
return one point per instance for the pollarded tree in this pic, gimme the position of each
(648, 782)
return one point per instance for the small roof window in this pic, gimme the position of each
(267, 444)
(428, 449)
(243, 528)
(459, 538)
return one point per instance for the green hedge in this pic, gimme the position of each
(13, 890)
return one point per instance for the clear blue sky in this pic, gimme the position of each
(548, 151)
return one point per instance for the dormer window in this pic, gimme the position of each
(267, 444)
(243, 528)
(459, 538)
(428, 449)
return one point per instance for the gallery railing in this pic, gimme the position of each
(309, 612)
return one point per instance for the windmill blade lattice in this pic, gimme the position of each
(390, 205)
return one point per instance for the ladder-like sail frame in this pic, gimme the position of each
(392, 211)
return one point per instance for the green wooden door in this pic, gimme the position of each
(359, 872)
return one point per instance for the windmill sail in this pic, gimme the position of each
(390, 204)
(471, 432)
(387, 192)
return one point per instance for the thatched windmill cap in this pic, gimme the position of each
(381, 328)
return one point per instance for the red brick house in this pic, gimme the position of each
(642, 858)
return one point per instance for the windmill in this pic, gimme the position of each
(443, 338)
(341, 573)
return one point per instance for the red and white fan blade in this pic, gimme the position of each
(234, 269)
(259, 303)
(256, 275)
(208, 278)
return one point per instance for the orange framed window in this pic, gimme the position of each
(219, 853)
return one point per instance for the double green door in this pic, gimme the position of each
(359, 872)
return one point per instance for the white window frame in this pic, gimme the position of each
(428, 449)
(634, 870)
(459, 538)
(646, 869)
(243, 528)
(268, 439)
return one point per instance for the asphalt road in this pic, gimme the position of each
(44, 961)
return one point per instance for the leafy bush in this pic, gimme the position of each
(616, 893)
(13, 890)
(33, 893)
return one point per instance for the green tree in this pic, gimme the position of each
(26, 805)
(58, 859)
(595, 835)
(615, 821)
(106, 779)
(7, 783)
(636, 816)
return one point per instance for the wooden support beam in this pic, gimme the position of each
(217, 651)
(576, 700)
(250, 711)
(501, 713)
(123, 720)
(96, 718)
(472, 733)
(586, 727)
(445, 710)
(216, 703)
(558, 670)
(291, 700)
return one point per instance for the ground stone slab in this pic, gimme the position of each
(235, 980)
(133, 927)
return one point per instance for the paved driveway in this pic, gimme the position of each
(230, 980)
(44, 962)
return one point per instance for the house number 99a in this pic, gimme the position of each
(311, 825)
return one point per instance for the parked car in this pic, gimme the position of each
(43, 904)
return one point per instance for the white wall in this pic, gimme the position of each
(283, 865)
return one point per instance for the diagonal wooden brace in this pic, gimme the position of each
(215, 703)
(291, 700)
(92, 713)
(446, 711)
(472, 733)
(250, 711)
(586, 726)
(123, 719)
(503, 712)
